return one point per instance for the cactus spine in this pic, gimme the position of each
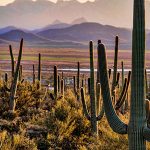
(93, 118)
(14, 81)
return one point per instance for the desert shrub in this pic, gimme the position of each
(16, 142)
(63, 119)
(61, 110)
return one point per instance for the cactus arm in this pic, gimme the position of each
(84, 105)
(115, 66)
(146, 130)
(115, 123)
(118, 104)
(99, 41)
(101, 114)
(146, 133)
(118, 78)
(146, 84)
(109, 73)
(14, 82)
(12, 61)
(124, 92)
(122, 67)
(147, 108)
(98, 93)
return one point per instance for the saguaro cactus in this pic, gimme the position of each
(78, 81)
(55, 82)
(59, 84)
(89, 86)
(33, 74)
(62, 88)
(137, 106)
(12, 61)
(20, 73)
(93, 118)
(39, 69)
(114, 81)
(137, 130)
(74, 84)
(14, 81)
(99, 41)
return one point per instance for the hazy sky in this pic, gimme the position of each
(4, 2)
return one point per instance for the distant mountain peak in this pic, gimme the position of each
(56, 22)
(34, 14)
(79, 20)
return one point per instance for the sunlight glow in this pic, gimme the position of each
(5, 2)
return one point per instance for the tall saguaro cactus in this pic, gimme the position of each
(78, 81)
(62, 88)
(14, 81)
(137, 130)
(55, 82)
(114, 81)
(137, 106)
(33, 74)
(12, 61)
(39, 69)
(93, 111)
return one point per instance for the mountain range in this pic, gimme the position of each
(72, 35)
(36, 14)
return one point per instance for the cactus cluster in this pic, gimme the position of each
(15, 75)
(92, 117)
(139, 123)
(137, 130)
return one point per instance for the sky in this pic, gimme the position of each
(5, 2)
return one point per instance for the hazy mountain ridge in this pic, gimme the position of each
(77, 35)
(21, 12)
